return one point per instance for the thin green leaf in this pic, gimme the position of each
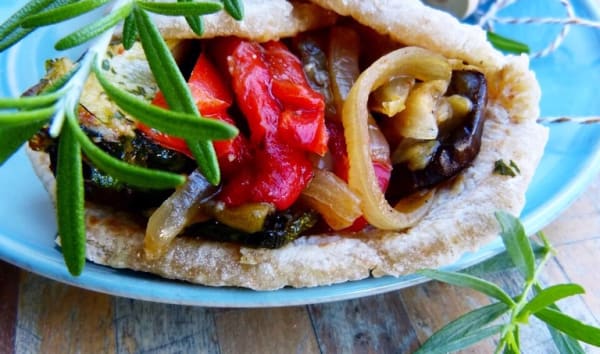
(195, 8)
(120, 170)
(94, 29)
(29, 102)
(206, 157)
(129, 31)
(195, 22)
(549, 296)
(511, 342)
(517, 244)
(469, 281)
(465, 341)
(22, 117)
(170, 122)
(12, 137)
(545, 241)
(235, 8)
(506, 44)
(70, 201)
(13, 38)
(14, 21)
(162, 64)
(464, 324)
(570, 326)
(517, 339)
(62, 13)
(502, 262)
(175, 90)
(564, 343)
(11, 31)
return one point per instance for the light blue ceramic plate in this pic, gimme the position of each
(569, 79)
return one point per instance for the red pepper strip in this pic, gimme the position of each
(282, 114)
(302, 122)
(208, 88)
(213, 99)
(278, 175)
(251, 83)
(337, 148)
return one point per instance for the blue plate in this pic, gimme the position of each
(571, 161)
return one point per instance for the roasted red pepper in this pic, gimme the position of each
(285, 118)
(302, 122)
(277, 175)
(213, 98)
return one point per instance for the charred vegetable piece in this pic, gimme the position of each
(310, 48)
(139, 150)
(457, 148)
(280, 229)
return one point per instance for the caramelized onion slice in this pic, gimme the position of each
(175, 213)
(415, 62)
(333, 199)
(343, 54)
(390, 98)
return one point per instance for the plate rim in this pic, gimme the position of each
(102, 279)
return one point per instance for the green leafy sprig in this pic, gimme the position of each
(58, 103)
(506, 44)
(534, 300)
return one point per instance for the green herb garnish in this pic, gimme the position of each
(533, 300)
(506, 44)
(506, 169)
(58, 105)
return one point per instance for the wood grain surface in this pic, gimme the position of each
(38, 315)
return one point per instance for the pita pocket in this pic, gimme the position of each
(459, 214)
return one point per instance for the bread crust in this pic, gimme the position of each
(461, 218)
(263, 20)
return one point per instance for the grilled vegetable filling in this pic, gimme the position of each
(329, 137)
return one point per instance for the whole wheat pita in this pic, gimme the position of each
(460, 219)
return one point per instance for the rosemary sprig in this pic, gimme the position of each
(195, 22)
(534, 300)
(175, 90)
(63, 13)
(133, 175)
(12, 137)
(94, 29)
(58, 103)
(187, 8)
(234, 8)
(169, 122)
(12, 31)
(129, 32)
(70, 201)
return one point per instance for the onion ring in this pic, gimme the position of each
(420, 63)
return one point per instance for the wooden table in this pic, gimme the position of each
(38, 315)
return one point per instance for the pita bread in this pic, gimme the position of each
(461, 218)
(263, 20)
